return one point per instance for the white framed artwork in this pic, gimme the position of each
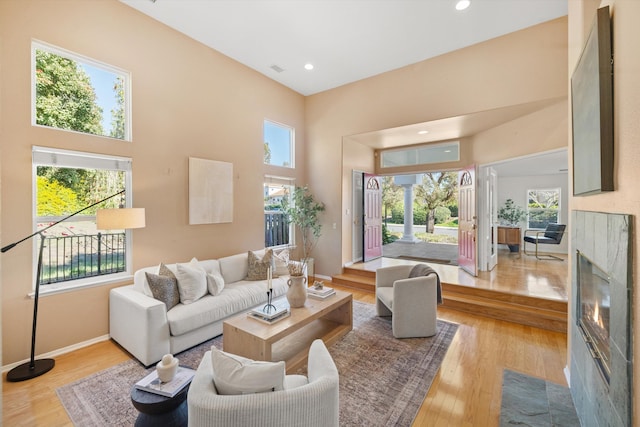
(210, 191)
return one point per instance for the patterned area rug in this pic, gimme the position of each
(534, 402)
(383, 380)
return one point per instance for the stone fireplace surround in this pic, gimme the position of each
(606, 240)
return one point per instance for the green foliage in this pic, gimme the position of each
(386, 236)
(54, 199)
(117, 114)
(453, 208)
(303, 212)
(442, 214)
(65, 98)
(391, 196)
(267, 153)
(437, 189)
(511, 214)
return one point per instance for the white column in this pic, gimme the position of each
(407, 182)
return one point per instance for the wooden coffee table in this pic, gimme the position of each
(289, 339)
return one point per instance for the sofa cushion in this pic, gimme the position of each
(164, 288)
(234, 267)
(233, 374)
(259, 267)
(236, 298)
(215, 282)
(281, 259)
(192, 283)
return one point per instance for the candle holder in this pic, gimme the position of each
(269, 306)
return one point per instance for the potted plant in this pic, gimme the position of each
(510, 215)
(303, 212)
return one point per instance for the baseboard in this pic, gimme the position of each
(60, 351)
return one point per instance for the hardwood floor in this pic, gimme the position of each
(465, 392)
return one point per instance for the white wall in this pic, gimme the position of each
(516, 188)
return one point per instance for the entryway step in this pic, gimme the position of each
(358, 281)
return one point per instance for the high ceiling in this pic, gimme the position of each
(349, 40)
(345, 40)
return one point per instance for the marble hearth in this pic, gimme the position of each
(606, 240)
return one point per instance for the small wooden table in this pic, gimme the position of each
(289, 339)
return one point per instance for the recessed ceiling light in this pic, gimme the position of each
(423, 132)
(463, 4)
(308, 66)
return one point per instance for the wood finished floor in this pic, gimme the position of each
(465, 392)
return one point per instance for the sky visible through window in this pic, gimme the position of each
(103, 82)
(279, 140)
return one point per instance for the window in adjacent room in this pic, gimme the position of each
(278, 145)
(75, 253)
(277, 230)
(79, 94)
(543, 207)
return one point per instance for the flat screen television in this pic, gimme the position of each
(592, 111)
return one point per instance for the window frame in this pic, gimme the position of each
(40, 45)
(292, 142)
(558, 190)
(46, 156)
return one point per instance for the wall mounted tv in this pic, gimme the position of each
(592, 111)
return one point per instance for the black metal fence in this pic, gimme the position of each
(77, 257)
(276, 229)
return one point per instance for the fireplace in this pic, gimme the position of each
(594, 302)
(601, 371)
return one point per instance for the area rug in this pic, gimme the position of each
(534, 402)
(383, 380)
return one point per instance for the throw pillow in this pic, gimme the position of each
(281, 259)
(258, 267)
(192, 283)
(233, 374)
(164, 288)
(215, 281)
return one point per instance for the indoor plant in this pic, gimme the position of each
(303, 212)
(511, 214)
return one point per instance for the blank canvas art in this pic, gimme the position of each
(210, 191)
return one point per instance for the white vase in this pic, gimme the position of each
(297, 292)
(167, 368)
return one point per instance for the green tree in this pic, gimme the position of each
(391, 195)
(117, 114)
(54, 199)
(267, 153)
(437, 189)
(65, 98)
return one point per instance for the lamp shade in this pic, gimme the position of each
(120, 219)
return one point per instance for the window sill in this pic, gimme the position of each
(61, 288)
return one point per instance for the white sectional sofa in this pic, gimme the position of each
(146, 329)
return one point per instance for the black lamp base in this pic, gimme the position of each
(26, 371)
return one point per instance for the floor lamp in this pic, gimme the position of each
(34, 368)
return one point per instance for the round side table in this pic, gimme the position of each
(157, 410)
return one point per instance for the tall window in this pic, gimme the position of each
(79, 94)
(75, 252)
(277, 230)
(278, 145)
(543, 207)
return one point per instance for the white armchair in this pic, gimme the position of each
(412, 302)
(311, 401)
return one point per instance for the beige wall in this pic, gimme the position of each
(626, 99)
(523, 67)
(188, 100)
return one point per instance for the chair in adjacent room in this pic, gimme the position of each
(409, 294)
(552, 235)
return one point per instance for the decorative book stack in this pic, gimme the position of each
(278, 311)
(152, 383)
(320, 293)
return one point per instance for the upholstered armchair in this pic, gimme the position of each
(410, 301)
(552, 235)
(304, 401)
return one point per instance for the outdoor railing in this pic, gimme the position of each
(276, 229)
(77, 257)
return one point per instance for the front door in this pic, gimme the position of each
(467, 220)
(372, 217)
